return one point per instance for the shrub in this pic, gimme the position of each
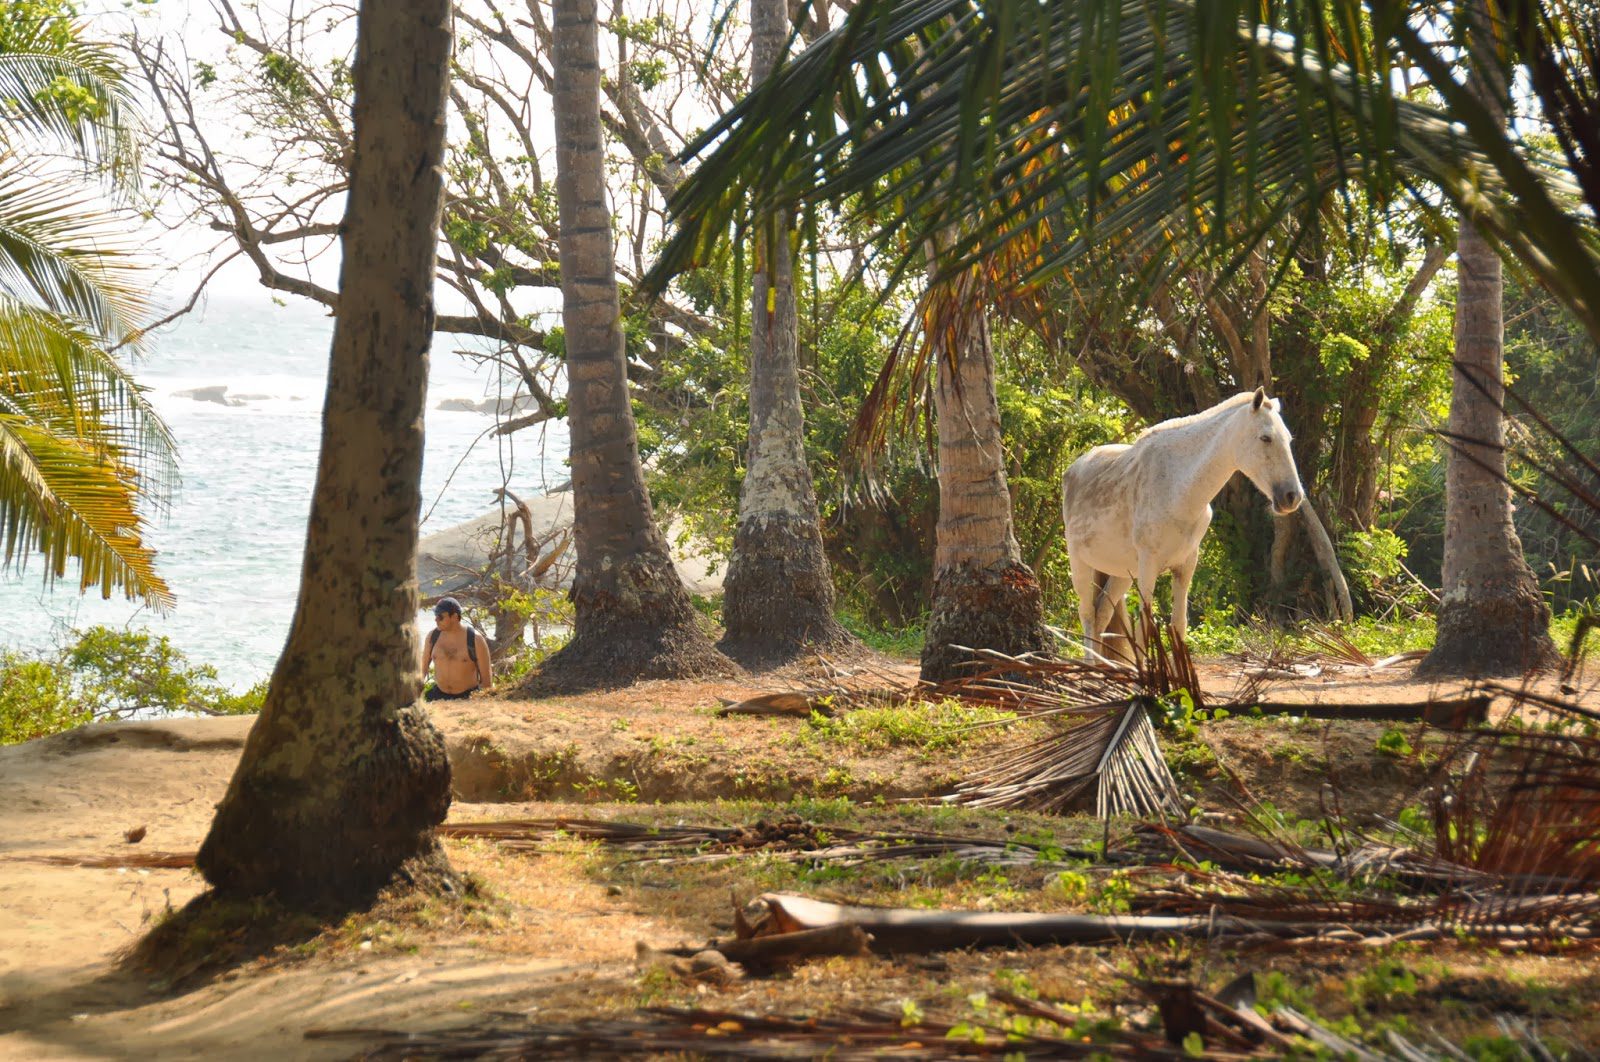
(35, 699)
(109, 674)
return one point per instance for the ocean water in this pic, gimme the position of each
(231, 545)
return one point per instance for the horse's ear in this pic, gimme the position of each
(1261, 396)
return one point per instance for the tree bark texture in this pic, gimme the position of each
(984, 596)
(343, 777)
(633, 618)
(1492, 618)
(778, 598)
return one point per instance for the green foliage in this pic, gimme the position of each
(108, 674)
(35, 699)
(547, 617)
(1381, 983)
(1377, 637)
(1340, 353)
(283, 72)
(915, 723)
(899, 641)
(1551, 363)
(1393, 742)
(1374, 565)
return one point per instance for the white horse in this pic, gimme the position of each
(1135, 511)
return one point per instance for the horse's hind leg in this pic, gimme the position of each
(1119, 640)
(1086, 583)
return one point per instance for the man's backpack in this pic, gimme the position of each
(472, 643)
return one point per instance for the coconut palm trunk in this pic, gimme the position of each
(984, 596)
(633, 617)
(778, 598)
(343, 777)
(1492, 619)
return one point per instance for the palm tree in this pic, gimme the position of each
(777, 546)
(82, 451)
(343, 777)
(1492, 618)
(633, 618)
(984, 596)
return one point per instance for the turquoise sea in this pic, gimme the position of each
(230, 546)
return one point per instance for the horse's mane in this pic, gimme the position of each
(1178, 423)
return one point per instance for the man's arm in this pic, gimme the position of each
(427, 655)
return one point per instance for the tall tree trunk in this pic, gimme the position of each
(778, 598)
(343, 777)
(633, 618)
(1492, 619)
(984, 596)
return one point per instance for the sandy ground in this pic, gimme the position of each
(62, 928)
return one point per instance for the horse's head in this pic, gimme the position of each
(1264, 454)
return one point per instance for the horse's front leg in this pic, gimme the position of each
(1147, 576)
(1182, 576)
(1118, 641)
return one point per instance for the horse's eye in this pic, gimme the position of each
(1266, 438)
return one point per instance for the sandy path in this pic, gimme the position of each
(61, 928)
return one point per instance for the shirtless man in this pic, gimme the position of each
(455, 671)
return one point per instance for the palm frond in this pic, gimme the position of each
(1124, 126)
(1112, 753)
(80, 447)
(65, 253)
(72, 91)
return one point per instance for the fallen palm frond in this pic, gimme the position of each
(1526, 805)
(1165, 666)
(1113, 752)
(1337, 644)
(1109, 746)
(1333, 649)
(1513, 855)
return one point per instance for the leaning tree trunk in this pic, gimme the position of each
(633, 618)
(1492, 619)
(343, 777)
(984, 596)
(778, 597)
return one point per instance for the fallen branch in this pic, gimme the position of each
(783, 949)
(1458, 713)
(794, 705)
(163, 860)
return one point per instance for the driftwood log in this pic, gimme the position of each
(1456, 713)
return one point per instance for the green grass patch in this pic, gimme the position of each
(890, 641)
(1377, 638)
(914, 724)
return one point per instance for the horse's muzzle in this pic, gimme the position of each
(1285, 502)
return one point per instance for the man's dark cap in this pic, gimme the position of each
(446, 605)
